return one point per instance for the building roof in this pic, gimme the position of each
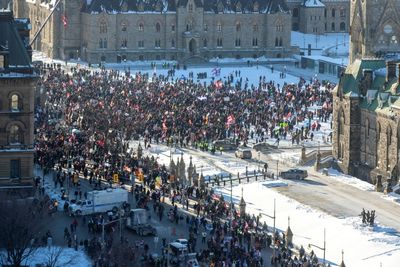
(163, 6)
(12, 45)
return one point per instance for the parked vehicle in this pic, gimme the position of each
(137, 221)
(243, 153)
(101, 201)
(177, 252)
(294, 174)
(224, 144)
(182, 241)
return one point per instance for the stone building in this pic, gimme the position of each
(320, 16)
(197, 30)
(17, 82)
(366, 117)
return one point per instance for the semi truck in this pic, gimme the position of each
(138, 221)
(101, 201)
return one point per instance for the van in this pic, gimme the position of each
(177, 252)
(243, 153)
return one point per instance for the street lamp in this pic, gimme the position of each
(323, 248)
(274, 218)
(259, 161)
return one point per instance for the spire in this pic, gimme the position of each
(342, 263)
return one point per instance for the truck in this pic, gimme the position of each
(101, 201)
(137, 220)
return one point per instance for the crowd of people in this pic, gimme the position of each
(87, 118)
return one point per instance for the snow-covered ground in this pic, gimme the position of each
(337, 44)
(58, 257)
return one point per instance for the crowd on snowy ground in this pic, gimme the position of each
(89, 117)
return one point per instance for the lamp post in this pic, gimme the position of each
(274, 218)
(259, 161)
(277, 169)
(321, 248)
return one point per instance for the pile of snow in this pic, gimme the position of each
(274, 183)
(350, 180)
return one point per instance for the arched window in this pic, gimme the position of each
(158, 27)
(388, 144)
(341, 123)
(342, 26)
(15, 102)
(238, 27)
(219, 27)
(333, 12)
(333, 26)
(255, 27)
(103, 27)
(141, 27)
(205, 43)
(276, 42)
(280, 42)
(14, 135)
(123, 26)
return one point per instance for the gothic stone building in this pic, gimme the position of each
(17, 81)
(366, 117)
(118, 30)
(320, 16)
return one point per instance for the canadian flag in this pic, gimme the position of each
(64, 20)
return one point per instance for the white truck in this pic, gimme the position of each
(137, 220)
(101, 201)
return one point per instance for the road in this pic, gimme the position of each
(324, 193)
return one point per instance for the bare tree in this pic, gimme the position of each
(53, 257)
(20, 228)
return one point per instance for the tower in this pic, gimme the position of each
(374, 28)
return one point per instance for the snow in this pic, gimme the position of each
(68, 257)
(313, 3)
(350, 180)
(378, 244)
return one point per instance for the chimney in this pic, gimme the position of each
(368, 80)
(390, 70)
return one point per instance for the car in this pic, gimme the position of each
(294, 174)
(224, 144)
(243, 153)
(182, 241)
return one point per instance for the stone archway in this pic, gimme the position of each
(192, 47)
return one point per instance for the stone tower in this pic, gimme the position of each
(374, 28)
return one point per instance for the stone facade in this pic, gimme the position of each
(320, 16)
(17, 82)
(114, 31)
(366, 117)
(366, 120)
(374, 28)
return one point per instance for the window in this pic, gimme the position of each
(173, 28)
(279, 27)
(280, 42)
(238, 26)
(237, 42)
(190, 8)
(295, 12)
(141, 44)
(141, 27)
(14, 137)
(15, 168)
(255, 42)
(15, 102)
(342, 26)
(393, 40)
(333, 26)
(219, 27)
(158, 27)
(158, 43)
(219, 42)
(123, 27)
(255, 27)
(103, 27)
(1, 61)
(124, 43)
(276, 42)
(205, 43)
(342, 12)
(325, 13)
(173, 43)
(333, 12)
(205, 27)
(104, 43)
(256, 7)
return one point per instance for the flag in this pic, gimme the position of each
(218, 84)
(64, 20)
(230, 120)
